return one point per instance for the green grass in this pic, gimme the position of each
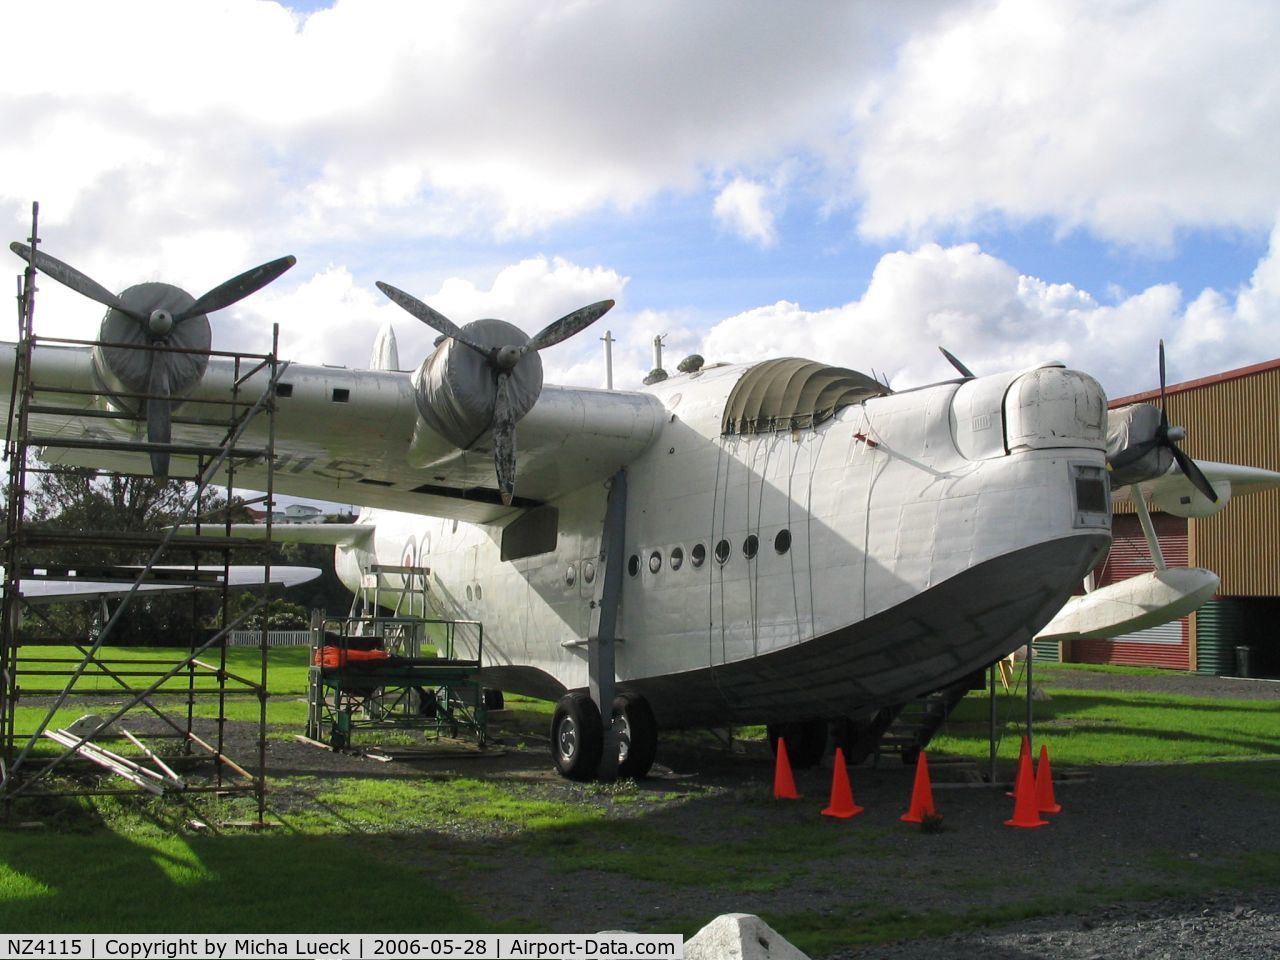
(1118, 727)
(1045, 671)
(138, 875)
(396, 805)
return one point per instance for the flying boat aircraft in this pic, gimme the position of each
(785, 542)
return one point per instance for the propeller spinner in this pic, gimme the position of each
(502, 361)
(157, 315)
(1167, 437)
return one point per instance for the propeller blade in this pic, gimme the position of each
(955, 362)
(569, 324)
(1162, 404)
(237, 288)
(432, 318)
(159, 422)
(504, 440)
(69, 276)
(1193, 473)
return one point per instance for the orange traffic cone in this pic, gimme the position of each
(1045, 800)
(842, 804)
(1024, 752)
(921, 794)
(1025, 812)
(784, 785)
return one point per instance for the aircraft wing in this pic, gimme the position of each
(346, 435)
(55, 589)
(1173, 493)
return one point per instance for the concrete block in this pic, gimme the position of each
(740, 936)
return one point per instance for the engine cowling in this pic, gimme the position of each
(123, 369)
(454, 389)
(1131, 426)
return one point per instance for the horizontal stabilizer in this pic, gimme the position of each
(1140, 602)
(329, 534)
(246, 575)
(55, 589)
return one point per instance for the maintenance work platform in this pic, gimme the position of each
(375, 670)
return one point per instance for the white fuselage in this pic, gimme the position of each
(898, 547)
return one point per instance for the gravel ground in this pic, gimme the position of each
(1217, 928)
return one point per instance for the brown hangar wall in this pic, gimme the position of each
(1233, 417)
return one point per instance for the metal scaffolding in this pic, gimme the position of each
(163, 710)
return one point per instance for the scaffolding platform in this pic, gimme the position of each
(396, 672)
(81, 664)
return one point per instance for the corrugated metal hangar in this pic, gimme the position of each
(1233, 417)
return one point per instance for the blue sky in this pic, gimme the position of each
(1018, 180)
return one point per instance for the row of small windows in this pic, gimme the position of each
(588, 573)
(698, 553)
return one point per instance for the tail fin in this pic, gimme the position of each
(386, 355)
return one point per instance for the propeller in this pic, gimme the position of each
(158, 313)
(1167, 436)
(955, 362)
(502, 360)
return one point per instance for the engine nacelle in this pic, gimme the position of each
(125, 370)
(455, 389)
(1127, 427)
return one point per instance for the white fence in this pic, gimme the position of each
(275, 638)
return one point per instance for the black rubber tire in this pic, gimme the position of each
(493, 699)
(577, 737)
(806, 741)
(638, 736)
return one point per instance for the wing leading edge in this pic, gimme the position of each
(347, 435)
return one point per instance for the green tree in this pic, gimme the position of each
(97, 509)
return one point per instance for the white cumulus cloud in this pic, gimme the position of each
(994, 318)
(743, 208)
(1131, 120)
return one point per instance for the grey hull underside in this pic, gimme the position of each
(932, 640)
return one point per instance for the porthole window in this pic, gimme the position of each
(633, 565)
(470, 594)
(588, 571)
(782, 542)
(698, 555)
(677, 558)
(655, 562)
(750, 546)
(570, 575)
(479, 592)
(722, 551)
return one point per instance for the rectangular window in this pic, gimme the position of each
(1093, 502)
